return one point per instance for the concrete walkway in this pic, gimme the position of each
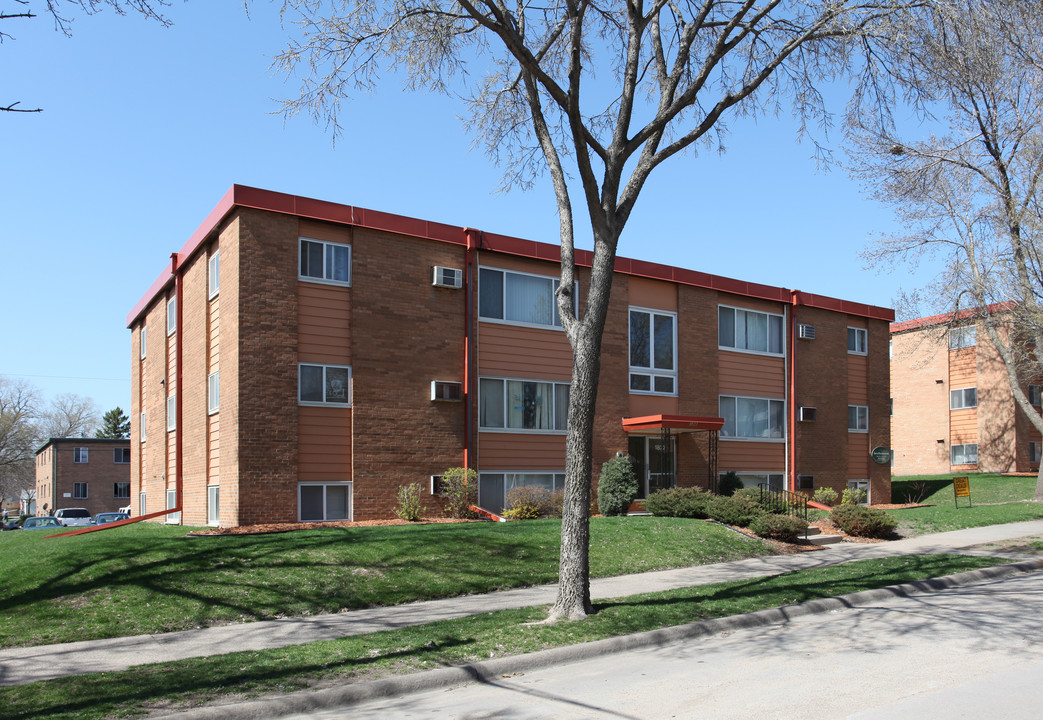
(43, 662)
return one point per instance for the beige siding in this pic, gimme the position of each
(752, 375)
(751, 456)
(523, 352)
(324, 321)
(325, 443)
(515, 451)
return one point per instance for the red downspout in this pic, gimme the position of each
(471, 238)
(792, 383)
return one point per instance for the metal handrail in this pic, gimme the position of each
(784, 502)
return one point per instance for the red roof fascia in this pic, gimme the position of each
(946, 318)
(672, 422)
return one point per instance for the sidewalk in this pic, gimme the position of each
(24, 665)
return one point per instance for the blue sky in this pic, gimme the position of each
(144, 129)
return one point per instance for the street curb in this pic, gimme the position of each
(310, 701)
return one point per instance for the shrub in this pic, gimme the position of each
(556, 501)
(461, 490)
(409, 506)
(738, 510)
(863, 521)
(527, 502)
(729, 483)
(617, 486)
(778, 527)
(825, 495)
(686, 502)
(852, 496)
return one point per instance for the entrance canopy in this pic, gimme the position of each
(668, 426)
(678, 423)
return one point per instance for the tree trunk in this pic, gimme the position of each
(1038, 496)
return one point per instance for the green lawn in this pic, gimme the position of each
(994, 500)
(454, 642)
(148, 578)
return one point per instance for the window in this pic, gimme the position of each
(1034, 395)
(121, 490)
(857, 418)
(653, 342)
(856, 340)
(141, 503)
(324, 384)
(518, 297)
(144, 342)
(213, 275)
(142, 427)
(175, 517)
(79, 490)
(171, 315)
(962, 337)
(325, 262)
(213, 392)
(964, 454)
(317, 502)
(749, 330)
(771, 481)
(172, 413)
(79, 455)
(493, 487)
(861, 489)
(746, 417)
(121, 456)
(1035, 449)
(213, 508)
(964, 398)
(522, 404)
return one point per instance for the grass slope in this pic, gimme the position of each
(995, 499)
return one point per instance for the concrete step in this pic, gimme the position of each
(820, 539)
(813, 530)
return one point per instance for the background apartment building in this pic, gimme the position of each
(91, 473)
(301, 360)
(953, 409)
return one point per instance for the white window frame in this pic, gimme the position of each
(862, 485)
(141, 503)
(76, 494)
(324, 402)
(171, 316)
(117, 455)
(213, 392)
(861, 337)
(333, 483)
(142, 427)
(555, 323)
(963, 398)
(213, 505)
(1035, 451)
(963, 337)
(172, 518)
(143, 334)
(768, 320)
(81, 455)
(213, 275)
(861, 418)
(650, 371)
(774, 480)
(560, 424)
(557, 478)
(115, 487)
(172, 412)
(326, 271)
(780, 437)
(963, 450)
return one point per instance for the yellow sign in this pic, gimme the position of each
(962, 487)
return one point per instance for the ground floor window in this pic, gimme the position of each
(770, 481)
(862, 488)
(964, 454)
(79, 491)
(172, 518)
(213, 512)
(655, 463)
(493, 487)
(141, 503)
(121, 490)
(324, 501)
(1035, 449)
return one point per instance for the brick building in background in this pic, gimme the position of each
(953, 409)
(92, 473)
(301, 360)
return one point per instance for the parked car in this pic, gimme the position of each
(73, 517)
(42, 523)
(107, 517)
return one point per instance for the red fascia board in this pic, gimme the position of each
(944, 318)
(672, 422)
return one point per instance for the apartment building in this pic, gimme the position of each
(953, 410)
(301, 360)
(92, 473)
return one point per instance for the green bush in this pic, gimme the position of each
(738, 510)
(555, 502)
(852, 496)
(461, 491)
(863, 521)
(779, 527)
(769, 502)
(729, 483)
(617, 486)
(409, 506)
(825, 495)
(527, 502)
(686, 502)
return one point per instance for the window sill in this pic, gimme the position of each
(752, 439)
(323, 281)
(743, 351)
(522, 431)
(517, 323)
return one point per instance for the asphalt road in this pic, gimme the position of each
(969, 652)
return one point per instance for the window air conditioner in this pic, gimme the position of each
(805, 331)
(448, 391)
(806, 414)
(447, 277)
(805, 482)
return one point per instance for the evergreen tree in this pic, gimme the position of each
(115, 424)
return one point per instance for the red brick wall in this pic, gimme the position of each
(55, 468)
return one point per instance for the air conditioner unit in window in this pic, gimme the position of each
(447, 391)
(806, 414)
(805, 482)
(805, 331)
(447, 277)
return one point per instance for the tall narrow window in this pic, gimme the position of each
(171, 315)
(213, 507)
(1034, 395)
(213, 392)
(174, 517)
(142, 427)
(172, 413)
(653, 357)
(144, 341)
(213, 274)
(325, 262)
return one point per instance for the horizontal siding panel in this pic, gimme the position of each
(644, 405)
(652, 294)
(751, 456)
(324, 444)
(858, 456)
(857, 380)
(963, 426)
(510, 451)
(748, 374)
(963, 368)
(324, 323)
(522, 352)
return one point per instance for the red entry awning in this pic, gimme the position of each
(681, 423)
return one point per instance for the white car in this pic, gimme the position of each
(73, 517)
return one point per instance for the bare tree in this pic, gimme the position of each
(58, 10)
(69, 415)
(598, 93)
(18, 436)
(969, 195)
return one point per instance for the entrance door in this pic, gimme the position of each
(655, 462)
